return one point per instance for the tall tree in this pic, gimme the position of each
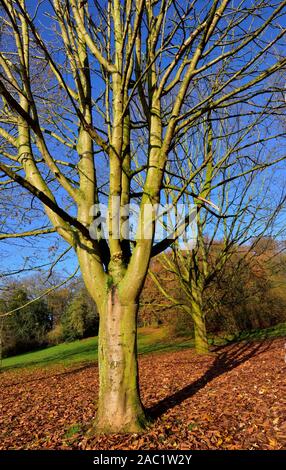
(96, 98)
(249, 209)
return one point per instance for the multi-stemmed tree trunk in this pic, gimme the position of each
(95, 112)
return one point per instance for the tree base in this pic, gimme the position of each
(137, 424)
(202, 351)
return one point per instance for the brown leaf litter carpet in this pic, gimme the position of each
(234, 398)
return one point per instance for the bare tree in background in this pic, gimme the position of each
(249, 210)
(96, 99)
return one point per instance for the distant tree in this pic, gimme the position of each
(247, 209)
(80, 319)
(59, 297)
(250, 291)
(58, 302)
(25, 328)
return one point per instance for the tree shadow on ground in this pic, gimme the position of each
(227, 359)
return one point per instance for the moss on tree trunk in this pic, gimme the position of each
(200, 331)
(201, 342)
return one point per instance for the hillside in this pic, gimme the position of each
(150, 340)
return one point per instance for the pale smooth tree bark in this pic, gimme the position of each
(96, 98)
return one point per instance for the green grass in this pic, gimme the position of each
(81, 351)
(72, 430)
(78, 351)
(253, 335)
(272, 332)
(149, 340)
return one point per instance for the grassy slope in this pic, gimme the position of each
(149, 340)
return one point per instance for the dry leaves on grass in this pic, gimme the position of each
(231, 399)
